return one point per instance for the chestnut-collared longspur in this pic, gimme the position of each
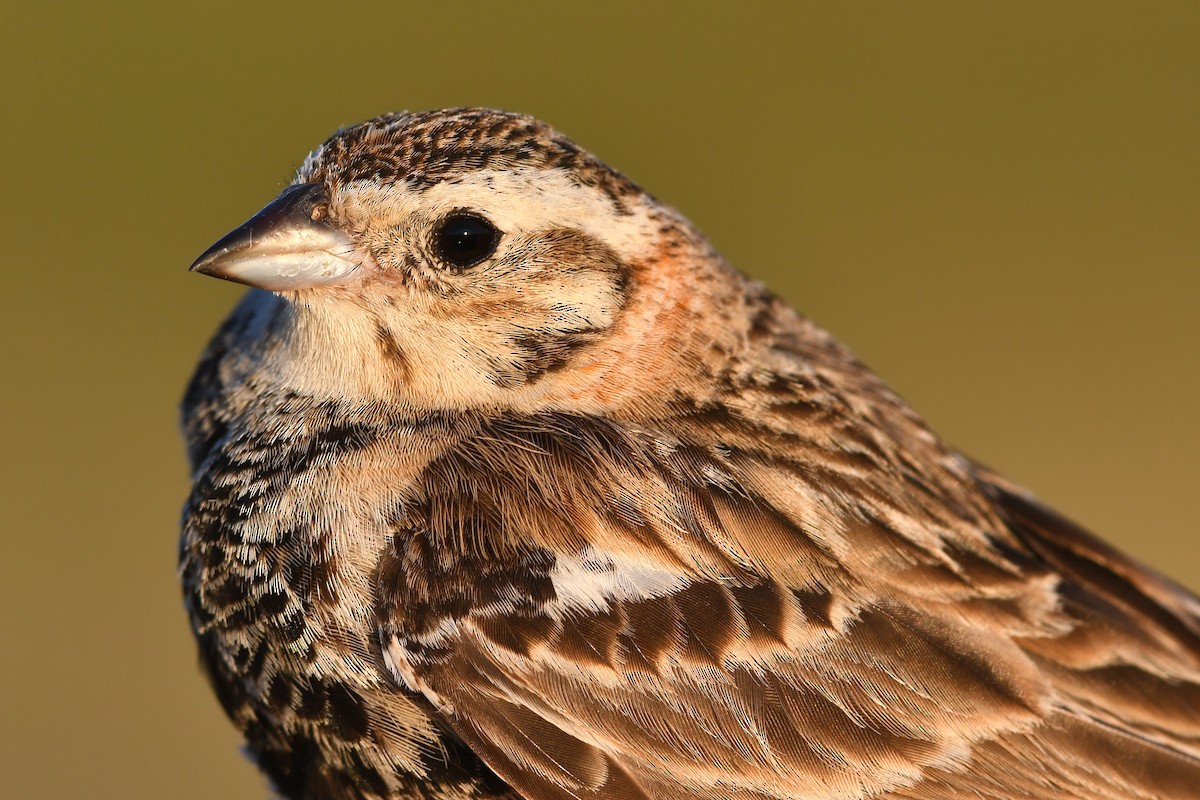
(506, 485)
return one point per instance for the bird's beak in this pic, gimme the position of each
(284, 247)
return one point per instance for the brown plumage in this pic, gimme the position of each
(513, 488)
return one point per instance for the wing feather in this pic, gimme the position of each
(698, 617)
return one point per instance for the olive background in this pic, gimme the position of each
(995, 205)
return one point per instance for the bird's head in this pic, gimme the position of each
(474, 258)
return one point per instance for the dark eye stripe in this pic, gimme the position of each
(463, 240)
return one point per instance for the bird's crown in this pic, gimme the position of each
(428, 147)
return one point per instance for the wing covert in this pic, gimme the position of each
(665, 620)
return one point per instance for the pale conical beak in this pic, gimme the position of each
(282, 247)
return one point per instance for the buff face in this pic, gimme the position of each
(353, 248)
(506, 485)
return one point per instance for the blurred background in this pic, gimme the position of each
(997, 207)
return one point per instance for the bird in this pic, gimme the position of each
(507, 486)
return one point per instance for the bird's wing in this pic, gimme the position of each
(601, 612)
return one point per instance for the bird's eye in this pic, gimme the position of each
(463, 240)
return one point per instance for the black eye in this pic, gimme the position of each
(463, 240)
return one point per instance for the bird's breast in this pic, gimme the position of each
(282, 536)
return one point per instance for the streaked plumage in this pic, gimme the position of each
(598, 517)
